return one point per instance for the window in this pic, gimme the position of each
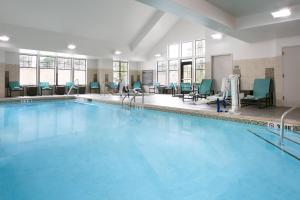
(161, 72)
(173, 71)
(27, 69)
(200, 48)
(64, 69)
(200, 69)
(47, 70)
(120, 72)
(80, 71)
(187, 49)
(173, 51)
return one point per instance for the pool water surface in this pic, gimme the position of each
(68, 150)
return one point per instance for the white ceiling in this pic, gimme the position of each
(247, 20)
(97, 27)
(240, 8)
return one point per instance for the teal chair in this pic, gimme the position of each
(69, 85)
(137, 86)
(172, 87)
(45, 86)
(205, 88)
(154, 88)
(261, 93)
(95, 86)
(14, 86)
(185, 88)
(112, 87)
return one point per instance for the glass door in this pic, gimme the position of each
(186, 71)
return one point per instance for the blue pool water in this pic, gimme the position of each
(71, 151)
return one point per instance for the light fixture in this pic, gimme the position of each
(71, 46)
(157, 55)
(217, 36)
(4, 38)
(285, 12)
(117, 52)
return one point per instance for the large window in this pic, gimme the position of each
(199, 69)
(173, 51)
(173, 71)
(200, 48)
(47, 69)
(120, 72)
(187, 49)
(64, 70)
(27, 69)
(80, 71)
(161, 72)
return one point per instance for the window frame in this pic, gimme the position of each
(120, 71)
(29, 67)
(164, 70)
(200, 69)
(47, 67)
(203, 47)
(64, 69)
(181, 49)
(172, 70)
(178, 51)
(85, 68)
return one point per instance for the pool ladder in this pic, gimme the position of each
(132, 101)
(73, 86)
(282, 125)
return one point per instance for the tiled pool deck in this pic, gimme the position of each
(248, 114)
(251, 114)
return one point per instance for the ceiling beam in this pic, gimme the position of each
(146, 30)
(199, 11)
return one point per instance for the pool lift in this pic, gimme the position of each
(75, 85)
(235, 98)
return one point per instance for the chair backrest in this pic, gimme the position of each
(44, 85)
(14, 84)
(156, 85)
(261, 88)
(205, 86)
(112, 85)
(94, 85)
(185, 87)
(137, 85)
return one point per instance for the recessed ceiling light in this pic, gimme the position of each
(118, 52)
(217, 36)
(4, 38)
(157, 55)
(71, 46)
(285, 12)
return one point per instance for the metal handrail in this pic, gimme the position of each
(282, 125)
(71, 88)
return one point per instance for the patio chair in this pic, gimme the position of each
(154, 88)
(45, 86)
(204, 89)
(171, 87)
(112, 87)
(137, 86)
(14, 86)
(261, 94)
(95, 86)
(223, 95)
(70, 85)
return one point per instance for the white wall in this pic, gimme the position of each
(2, 56)
(188, 31)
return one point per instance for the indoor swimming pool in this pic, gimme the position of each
(72, 150)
